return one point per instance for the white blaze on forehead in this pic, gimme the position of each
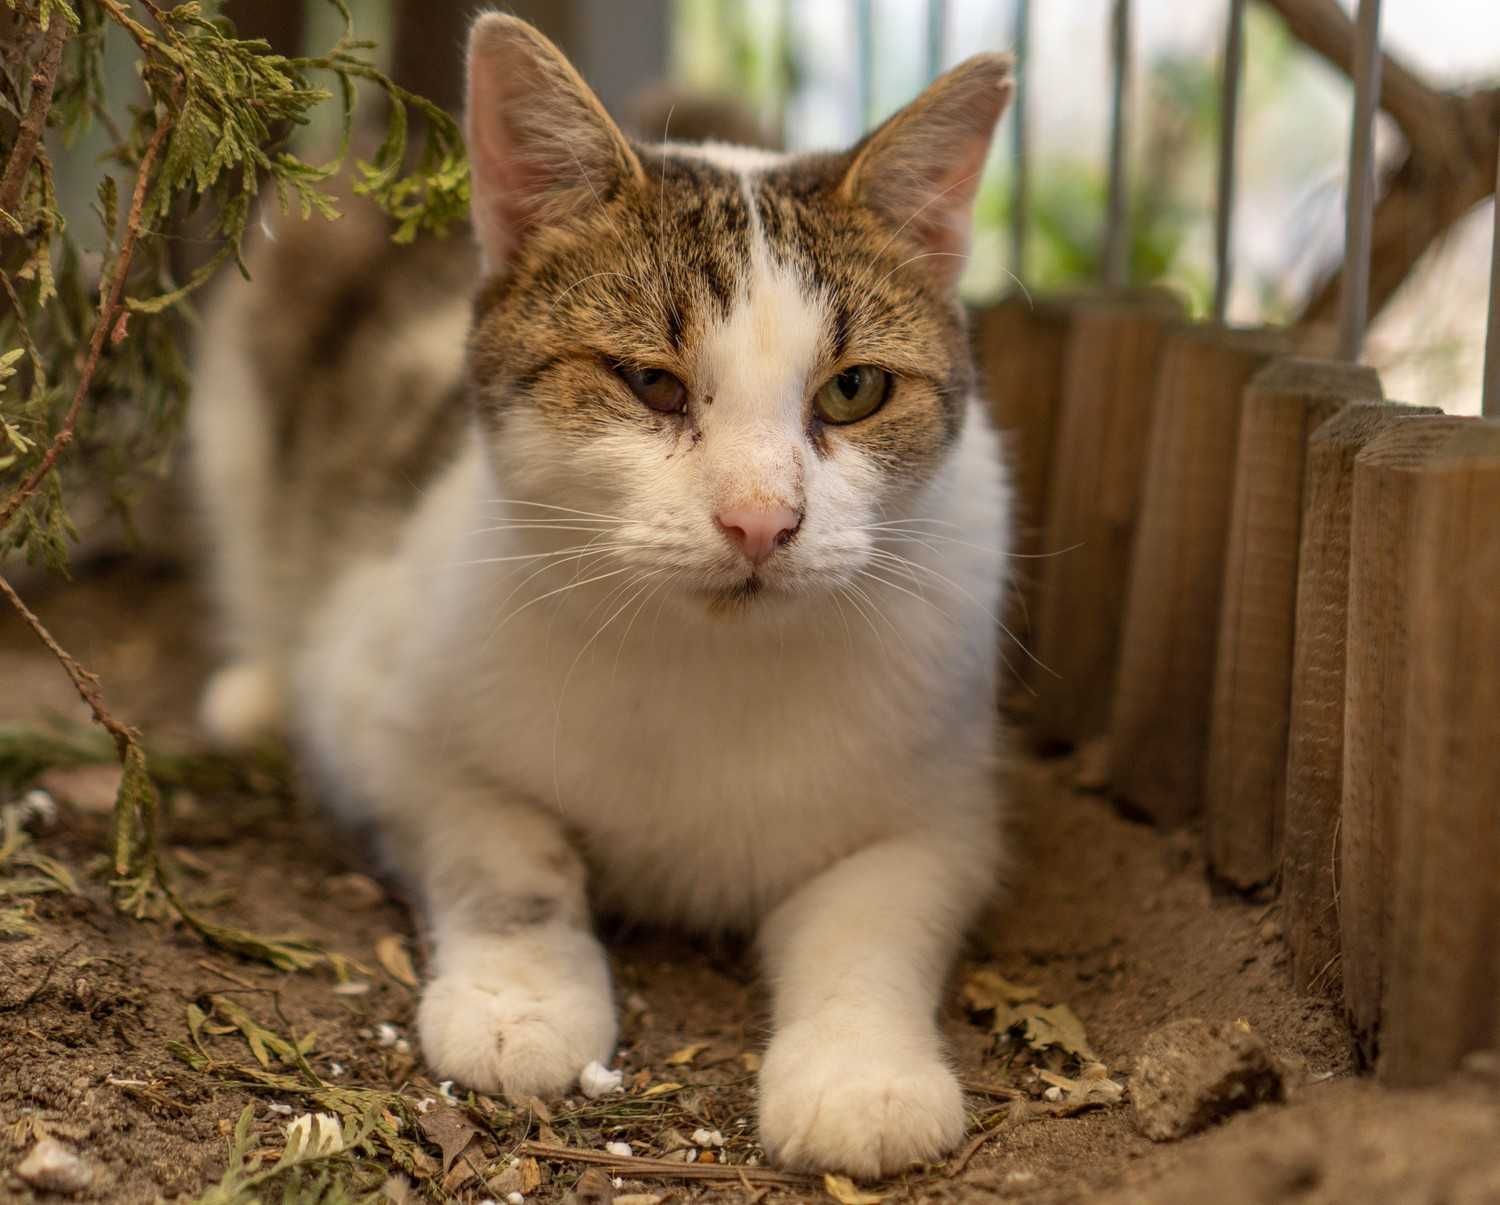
(760, 359)
(758, 365)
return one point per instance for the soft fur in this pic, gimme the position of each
(536, 662)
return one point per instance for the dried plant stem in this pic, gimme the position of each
(110, 312)
(106, 326)
(84, 682)
(30, 133)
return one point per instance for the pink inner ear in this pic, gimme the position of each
(944, 223)
(502, 182)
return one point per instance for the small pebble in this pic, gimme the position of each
(708, 1138)
(53, 1167)
(622, 1149)
(38, 810)
(1053, 1093)
(597, 1080)
(515, 1198)
(387, 1034)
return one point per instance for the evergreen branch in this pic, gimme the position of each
(104, 327)
(30, 134)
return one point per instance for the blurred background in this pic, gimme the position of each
(816, 73)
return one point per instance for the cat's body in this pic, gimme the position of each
(655, 653)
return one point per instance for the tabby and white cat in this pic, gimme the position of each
(675, 598)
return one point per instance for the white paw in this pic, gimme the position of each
(242, 704)
(495, 1034)
(834, 1106)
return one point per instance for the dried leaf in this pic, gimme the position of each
(391, 951)
(450, 1130)
(1091, 1086)
(843, 1190)
(685, 1056)
(1015, 1007)
(661, 1089)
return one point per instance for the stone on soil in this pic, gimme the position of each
(53, 1167)
(1192, 1074)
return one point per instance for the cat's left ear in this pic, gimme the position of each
(920, 169)
(540, 143)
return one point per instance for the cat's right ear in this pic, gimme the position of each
(540, 143)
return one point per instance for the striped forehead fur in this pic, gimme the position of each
(643, 275)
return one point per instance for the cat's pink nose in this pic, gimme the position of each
(758, 531)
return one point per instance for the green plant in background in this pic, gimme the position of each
(91, 370)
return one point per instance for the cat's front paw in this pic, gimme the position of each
(827, 1106)
(495, 1036)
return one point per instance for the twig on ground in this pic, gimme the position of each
(654, 1169)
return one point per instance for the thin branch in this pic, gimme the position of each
(105, 327)
(29, 136)
(84, 682)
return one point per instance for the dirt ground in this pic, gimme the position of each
(134, 1042)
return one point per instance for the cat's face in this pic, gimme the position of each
(736, 362)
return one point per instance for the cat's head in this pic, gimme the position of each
(734, 361)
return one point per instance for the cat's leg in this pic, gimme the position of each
(855, 1079)
(519, 1001)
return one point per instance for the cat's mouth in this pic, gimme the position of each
(726, 600)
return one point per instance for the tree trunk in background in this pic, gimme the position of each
(279, 22)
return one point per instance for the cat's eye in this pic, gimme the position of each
(853, 394)
(657, 387)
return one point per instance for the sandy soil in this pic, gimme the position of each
(1107, 916)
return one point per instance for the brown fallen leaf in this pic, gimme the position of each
(592, 1188)
(354, 890)
(391, 952)
(685, 1056)
(843, 1190)
(450, 1130)
(1013, 1006)
(1091, 1085)
(465, 1167)
(659, 1089)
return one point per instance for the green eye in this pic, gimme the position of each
(854, 394)
(657, 387)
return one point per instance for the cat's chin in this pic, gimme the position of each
(737, 598)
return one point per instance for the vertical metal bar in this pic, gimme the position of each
(1229, 122)
(937, 36)
(1116, 232)
(1020, 200)
(1360, 213)
(1490, 406)
(864, 35)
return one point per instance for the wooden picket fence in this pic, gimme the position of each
(1270, 602)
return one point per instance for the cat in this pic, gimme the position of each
(670, 593)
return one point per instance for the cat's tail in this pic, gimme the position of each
(325, 393)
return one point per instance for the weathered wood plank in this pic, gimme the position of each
(1109, 385)
(1245, 773)
(1158, 725)
(1443, 985)
(1375, 702)
(1315, 748)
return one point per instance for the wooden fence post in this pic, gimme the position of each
(1443, 987)
(1245, 774)
(1375, 702)
(1315, 748)
(1021, 347)
(1158, 725)
(1109, 383)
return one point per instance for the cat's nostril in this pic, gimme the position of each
(758, 531)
